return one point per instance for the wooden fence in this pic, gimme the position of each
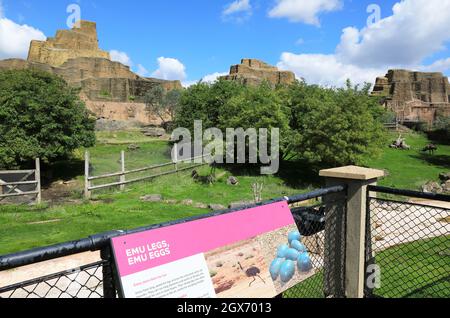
(17, 183)
(123, 173)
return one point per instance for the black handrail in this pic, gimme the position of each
(99, 241)
(410, 193)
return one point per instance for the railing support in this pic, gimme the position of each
(122, 176)
(38, 180)
(109, 288)
(357, 179)
(87, 182)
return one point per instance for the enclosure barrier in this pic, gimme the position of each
(17, 183)
(407, 244)
(88, 188)
(96, 279)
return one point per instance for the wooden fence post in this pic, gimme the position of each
(175, 156)
(122, 176)
(87, 183)
(37, 175)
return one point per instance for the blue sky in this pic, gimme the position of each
(323, 41)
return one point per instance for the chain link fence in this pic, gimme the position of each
(82, 282)
(408, 248)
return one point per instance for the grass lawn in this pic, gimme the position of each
(414, 270)
(25, 227)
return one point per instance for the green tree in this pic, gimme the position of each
(333, 127)
(162, 103)
(40, 116)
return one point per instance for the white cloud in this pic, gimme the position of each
(15, 38)
(237, 11)
(211, 78)
(442, 65)
(237, 6)
(306, 11)
(326, 70)
(121, 57)
(141, 70)
(170, 69)
(402, 40)
(417, 29)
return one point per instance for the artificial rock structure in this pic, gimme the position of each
(254, 72)
(110, 89)
(414, 96)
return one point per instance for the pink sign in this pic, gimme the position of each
(187, 260)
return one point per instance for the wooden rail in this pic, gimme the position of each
(123, 173)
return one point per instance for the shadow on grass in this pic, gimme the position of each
(64, 170)
(435, 160)
(294, 174)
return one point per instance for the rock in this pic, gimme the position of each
(187, 202)
(200, 205)
(133, 147)
(216, 207)
(444, 176)
(232, 181)
(170, 201)
(432, 187)
(154, 132)
(253, 72)
(415, 96)
(76, 57)
(239, 204)
(446, 187)
(152, 198)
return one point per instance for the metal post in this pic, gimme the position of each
(38, 180)
(122, 176)
(87, 183)
(109, 287)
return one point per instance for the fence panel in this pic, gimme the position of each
(96, 279)
(409, 243)
(21, 186)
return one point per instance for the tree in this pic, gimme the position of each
(40, 116)
(163, 103)
(333, 127)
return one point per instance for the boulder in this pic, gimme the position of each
(152, 198)
(444, 176)
(133, 147)
(232, 181)
(154, 132)
(200, 205)
(446, 186)
(216, 207)
(432, 187)
(187, 202)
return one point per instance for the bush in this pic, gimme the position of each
(40, 116)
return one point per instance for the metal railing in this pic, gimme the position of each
(407, 243)
(90, 281)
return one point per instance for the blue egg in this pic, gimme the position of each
(292, 254)
(287, 271)
(304, 263)
(275, 267)
(294, 236)
(281, 252)
(298, 246)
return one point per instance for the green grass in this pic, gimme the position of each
(413, 270)
(123, 210)
(410, 169)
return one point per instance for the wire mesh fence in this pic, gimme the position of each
(409, 244)
(323, 230)
(82, 282)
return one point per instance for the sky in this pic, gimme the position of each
(324, 42)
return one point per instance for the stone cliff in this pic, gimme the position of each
(254, 72)
(110, 89)
(414, 96)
